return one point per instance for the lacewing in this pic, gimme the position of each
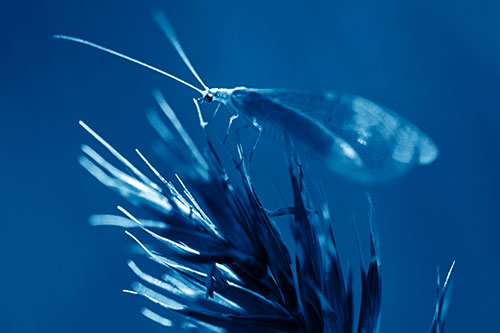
(353, 136)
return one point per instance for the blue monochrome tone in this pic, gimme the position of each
(353, 136)
(216, 266)
(264, 224)
(229, 268)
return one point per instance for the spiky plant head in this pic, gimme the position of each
(226, 265)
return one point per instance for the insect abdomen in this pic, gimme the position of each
(307, 133)
(270, 114)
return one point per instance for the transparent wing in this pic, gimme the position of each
(386, 143)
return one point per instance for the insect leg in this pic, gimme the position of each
(215, 112)
(204, 123)
(259, 128)
(231, 120)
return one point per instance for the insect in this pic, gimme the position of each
(353, 136)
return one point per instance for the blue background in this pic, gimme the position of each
(436, 63)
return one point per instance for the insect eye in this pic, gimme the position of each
(208, 98)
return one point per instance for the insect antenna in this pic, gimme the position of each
(166, 28)
(120, 55)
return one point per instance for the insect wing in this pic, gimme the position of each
(387, 143)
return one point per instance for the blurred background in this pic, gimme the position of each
(437, 63)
